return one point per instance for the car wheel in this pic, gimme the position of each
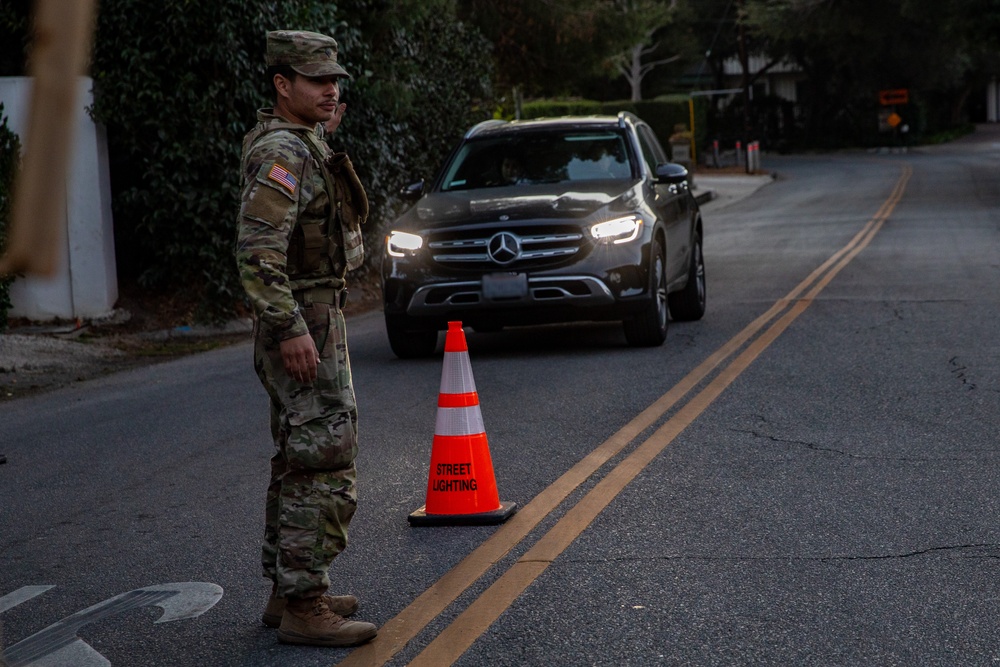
(410, 343)
(649, 328)
(688, 304)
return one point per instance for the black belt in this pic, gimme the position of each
(328, 295)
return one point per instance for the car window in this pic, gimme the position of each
(652, 152)
(538, 157)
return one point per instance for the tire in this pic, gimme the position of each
(688, 304)
(649, 328)
(410, 343)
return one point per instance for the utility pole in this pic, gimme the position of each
(745, 65)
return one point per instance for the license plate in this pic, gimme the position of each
(503, 286)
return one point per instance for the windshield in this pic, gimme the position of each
(530, 158)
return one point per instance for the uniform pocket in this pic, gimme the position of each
(333, 389)
(317, 317)
(323, 445)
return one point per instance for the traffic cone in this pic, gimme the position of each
(461, 486)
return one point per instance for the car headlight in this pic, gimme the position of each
(399, 244)
(619, 230)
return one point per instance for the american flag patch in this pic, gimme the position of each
(280, 175)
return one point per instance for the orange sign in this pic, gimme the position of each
(898, 96)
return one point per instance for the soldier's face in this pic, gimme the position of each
(308, 100)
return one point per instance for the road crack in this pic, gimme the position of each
(861, 457)
(987, 550)
(958, 372)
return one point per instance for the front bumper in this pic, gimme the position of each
(612, 285)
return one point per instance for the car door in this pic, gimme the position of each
(669, 204)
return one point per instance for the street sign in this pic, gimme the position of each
(897, 96)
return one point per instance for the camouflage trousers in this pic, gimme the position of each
(311, 496)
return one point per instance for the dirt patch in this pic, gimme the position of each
(145, 328)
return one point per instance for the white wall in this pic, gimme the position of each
(779, 81)
(86, 284)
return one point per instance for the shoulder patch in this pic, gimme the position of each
(283, 177)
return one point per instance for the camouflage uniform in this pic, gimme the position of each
(292, 256)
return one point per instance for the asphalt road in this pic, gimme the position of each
(807, 476)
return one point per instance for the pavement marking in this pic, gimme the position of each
(59, 645)
(21, 595)
(457, 637)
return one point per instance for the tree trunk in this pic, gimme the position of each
(958, 106)
(635, 78)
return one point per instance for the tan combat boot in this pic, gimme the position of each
(310, 621)
(342, 605)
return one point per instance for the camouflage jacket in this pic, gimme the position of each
(283, 194)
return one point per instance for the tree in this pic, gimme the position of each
(966, 53)
(850, 49)
(639, 21)
(545, 48)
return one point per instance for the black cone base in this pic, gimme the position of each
(421, 518)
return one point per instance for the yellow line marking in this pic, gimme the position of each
(468, 626)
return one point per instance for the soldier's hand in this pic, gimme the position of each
(338, 115)
(300, 358)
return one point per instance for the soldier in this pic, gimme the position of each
(298, 234)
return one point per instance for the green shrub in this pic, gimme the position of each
(662, 114)
(10, 152)
(556, 108)
(425, 78)
(177, 83)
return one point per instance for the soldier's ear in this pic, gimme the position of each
(281, 85)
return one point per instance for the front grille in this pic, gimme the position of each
(538, 247)
(542, 291)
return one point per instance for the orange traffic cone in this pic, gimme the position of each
(461, 487)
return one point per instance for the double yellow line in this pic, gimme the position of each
(457, 637)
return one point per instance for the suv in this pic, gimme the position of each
(542, 221)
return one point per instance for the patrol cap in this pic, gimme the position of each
(308, 53)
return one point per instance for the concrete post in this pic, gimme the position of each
(993, 101)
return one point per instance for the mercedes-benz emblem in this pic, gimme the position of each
(503, 247)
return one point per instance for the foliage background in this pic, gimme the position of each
(178, 83)
(10, 150)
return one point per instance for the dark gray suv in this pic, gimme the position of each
(551, 220)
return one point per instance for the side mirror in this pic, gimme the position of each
(413, 191)
(672, 173)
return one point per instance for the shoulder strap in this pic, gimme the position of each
(314, 242)
(308, 138)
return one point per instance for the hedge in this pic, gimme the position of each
(662, 114)
(177, 85)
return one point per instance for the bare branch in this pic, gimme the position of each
(763, 70)
(663, 61)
